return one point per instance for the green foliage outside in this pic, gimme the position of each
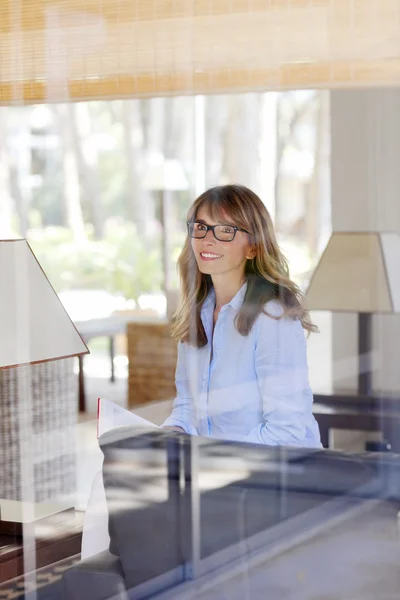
(121, 263)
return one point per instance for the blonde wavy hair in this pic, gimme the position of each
(267, 274)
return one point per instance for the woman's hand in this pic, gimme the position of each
(174, 428)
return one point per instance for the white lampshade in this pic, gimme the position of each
(357, 272)
(33, 323)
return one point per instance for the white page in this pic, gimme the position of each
(111, 415)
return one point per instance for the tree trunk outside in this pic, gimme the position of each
(241, 151)
(285, 136)
(216, 120)
(71, 189)
(88, 175)
(133, 138)
(314, 189)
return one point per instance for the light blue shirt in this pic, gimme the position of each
(251, 388)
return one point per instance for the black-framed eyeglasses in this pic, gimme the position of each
(222, 233)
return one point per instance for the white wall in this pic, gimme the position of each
(365, 188)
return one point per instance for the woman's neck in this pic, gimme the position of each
(226, 290)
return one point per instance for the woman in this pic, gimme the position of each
(242, 361)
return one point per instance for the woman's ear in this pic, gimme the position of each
(251, 253)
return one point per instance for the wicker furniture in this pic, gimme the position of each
(152, 357)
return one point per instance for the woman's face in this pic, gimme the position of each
(218, 258)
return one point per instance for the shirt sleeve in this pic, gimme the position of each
(183, 410)
(282, 377)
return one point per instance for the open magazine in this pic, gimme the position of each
(111, 415)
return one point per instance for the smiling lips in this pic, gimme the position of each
(209, 256)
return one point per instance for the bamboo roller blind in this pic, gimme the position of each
(81, 49)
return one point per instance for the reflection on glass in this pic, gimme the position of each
(235, 519)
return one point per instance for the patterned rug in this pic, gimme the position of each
(47, 583)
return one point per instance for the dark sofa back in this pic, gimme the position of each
(239, 490)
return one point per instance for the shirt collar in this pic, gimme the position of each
(238, 299)
(235, 303)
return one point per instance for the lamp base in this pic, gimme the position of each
(364, 354)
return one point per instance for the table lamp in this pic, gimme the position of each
(36, 403)
(358, 272)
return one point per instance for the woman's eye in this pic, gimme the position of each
(227, 230)
(200, 226)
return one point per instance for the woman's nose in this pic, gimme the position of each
(210, 236)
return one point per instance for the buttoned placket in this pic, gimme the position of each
(216, 336)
